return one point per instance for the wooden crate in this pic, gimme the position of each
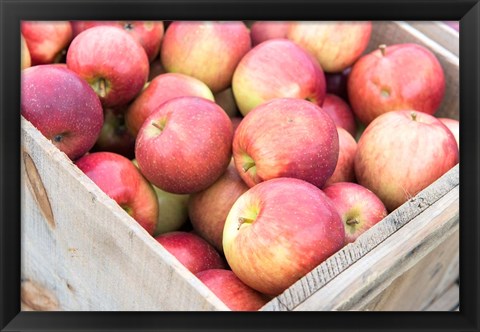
(81, 251)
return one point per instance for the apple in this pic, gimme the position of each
(148, 33)
(454, 126)
(208, 209)
(25, 60)
(208, 51)
(278, 231)
(358, 207)
(344, 170)
(340, 113)
(396, 77)
(161, 89)
(117, 177)
(232, 291)
(189, 139)
(111, 61)
(286, 137)
(226, 101)
(46, 40)
(337, 83)
(261, 31)
(402, 152)
(63, 107)
(174, 211)
(277, 68)
(156, 68)
(191, 250)
(336, 44)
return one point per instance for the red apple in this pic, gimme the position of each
(278, 231)
(261, 31)
(454, 126)
(208, 209)
(63, 107)
(277, 68)
(208, 51)
(286, 138)
(340, 113)
(192, 251)
(121, 180)
(226, 101)
(336, 45)
(111, 61)
(232, 291)
(345, 170)
(337, 83)
(148, 33)
(161, 89)
(189, 139)
(114, 136)
(402, 152)
(46, 40)
(397, 77)
(358, 207)
(25, 61)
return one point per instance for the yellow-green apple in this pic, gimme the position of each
(63, 107)
(402, 152)
(25, 61)
(46, 40)
(208, 51)
(261, 31)
(347, 148)
(277, 68)
(286, 137)
(148, 33)
(454, 126)
(161, 89)
(358, 207)
(118, 177)
(114, 136)
(111, 61)
(232, 291)
(174, 210)
(336, 44)
(337, 83)
(208, 209)
(189, 140)
(226, 101)
(278, 231)
(340, 113)
(397, 77)
(192, 251)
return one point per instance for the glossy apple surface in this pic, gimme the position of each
(278, 231)
(63, 107)
(118, 177)
(340, 113)
(336, 44)
(208, 51)
(345, 169)
(454, 126)
(189, 139)
(162, 88)
(277, 68)
(358, 207)
(192, 251)
(402, 152)
(111, 61)
(396, 77)
(232, 291)
(286, 137)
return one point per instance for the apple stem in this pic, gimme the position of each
(414, 116)
(102, 88)
(242, 220)
(383, 49)
(351, 222)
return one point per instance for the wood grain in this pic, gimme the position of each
(441, 33)
(448, 301)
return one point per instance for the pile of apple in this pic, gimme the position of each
(251, 153)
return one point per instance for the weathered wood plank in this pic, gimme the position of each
(365, 279)
(440, 33)
(369, 240)
(88, 252)
(448, 301)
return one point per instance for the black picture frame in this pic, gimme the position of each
(13, 11)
